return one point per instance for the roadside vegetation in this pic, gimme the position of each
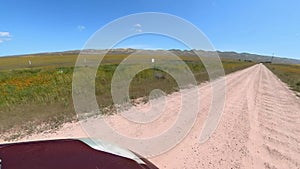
(290, 74)
(36, 91)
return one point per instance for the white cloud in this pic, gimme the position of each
(81, 27)
(138, 27)
(5, 36)
(135, 46)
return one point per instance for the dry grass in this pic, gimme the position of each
(290, 74)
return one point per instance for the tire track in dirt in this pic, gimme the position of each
(275, 142)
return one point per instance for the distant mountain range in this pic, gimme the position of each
(225, 55)
(257, 58)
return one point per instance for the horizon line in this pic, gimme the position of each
(152, 49)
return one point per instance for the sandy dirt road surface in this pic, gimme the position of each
(259, 127)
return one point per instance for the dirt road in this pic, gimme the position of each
(259, 128)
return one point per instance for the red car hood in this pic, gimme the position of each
(69, 154)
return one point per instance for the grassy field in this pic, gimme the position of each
(37, 96)
(290, 74)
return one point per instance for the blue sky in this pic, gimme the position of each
(256, 26)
